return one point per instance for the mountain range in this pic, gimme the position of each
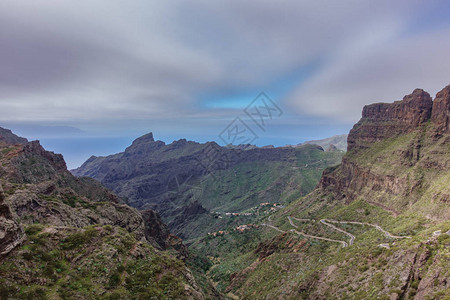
(188, 182)
(258, 223)
(67, 237)
(337, 141)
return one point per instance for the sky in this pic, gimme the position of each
(88, 77)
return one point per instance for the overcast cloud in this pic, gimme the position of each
(80, 63)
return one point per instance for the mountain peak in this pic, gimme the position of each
(418, 94)
(144, 139)
(143, 144)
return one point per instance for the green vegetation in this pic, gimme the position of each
(79, 239)
(248, 184)
(244, 186)
(376, 266)
(92, 263)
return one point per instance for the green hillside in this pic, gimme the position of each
(376, 227)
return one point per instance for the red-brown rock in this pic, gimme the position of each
(384, 120)
(441, 111)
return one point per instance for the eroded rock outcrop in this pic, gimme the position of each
(441, 111)
(390, 149)
(159, 234)
(384, 120)
(11, 233)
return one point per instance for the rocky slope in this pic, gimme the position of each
(11, 234)
(388, 201)
(186, 181)
(68, 237)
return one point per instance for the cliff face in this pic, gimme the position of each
(398, 156)
(441, 111)
(157, 231)
(384, 120)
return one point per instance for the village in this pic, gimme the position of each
(262, 208)
(254, 211)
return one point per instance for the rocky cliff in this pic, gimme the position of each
(440, 115)
(398, 154)
(384, 120)
(157, 231)
(40, 189)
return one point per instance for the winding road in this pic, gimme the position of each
(352, 237)
(327, 222)
(344, 244)
(377, 227)
(273, 227)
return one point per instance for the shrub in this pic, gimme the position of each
(120, 268)
(27, 255)
(78, 239)
(35, 293)
(114, 280)
(363, 268)
(70, 200)
(33, 229)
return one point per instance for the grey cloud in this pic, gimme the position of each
(66, 60)
(378, 74)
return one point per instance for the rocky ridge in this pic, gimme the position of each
(40, 189)
(185, 181)
(43, 207)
